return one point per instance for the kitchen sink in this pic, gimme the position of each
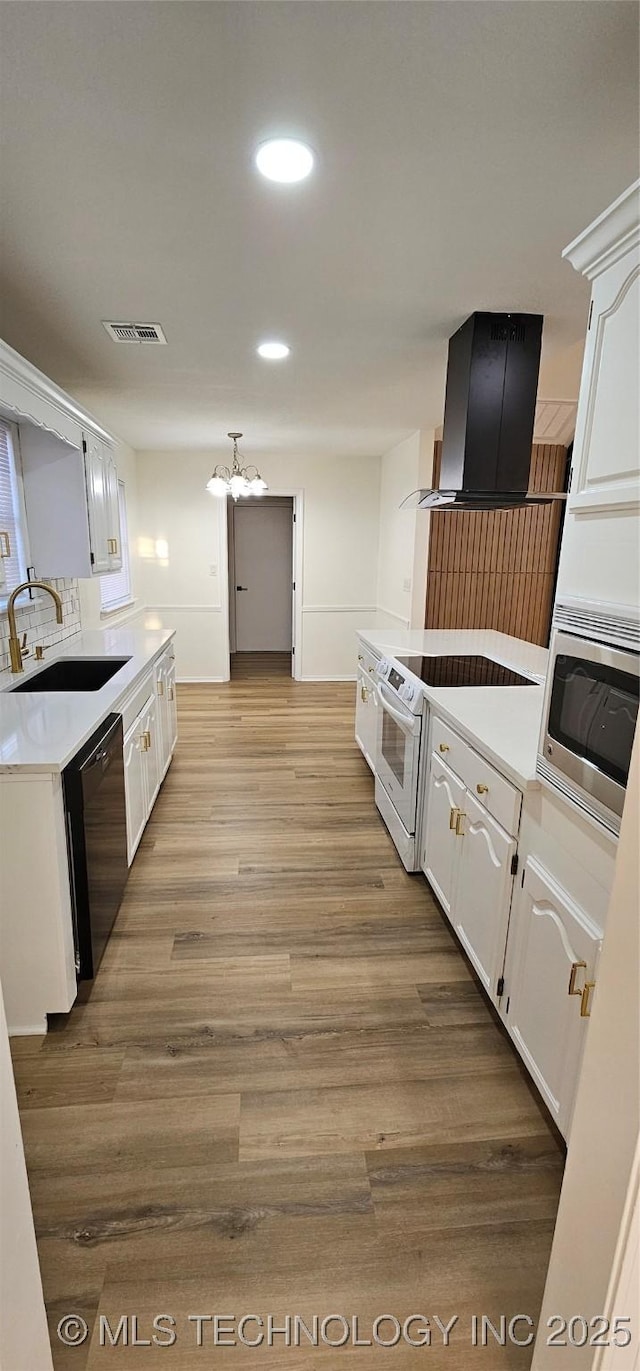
(73, 673)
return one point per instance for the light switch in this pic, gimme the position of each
(213, 570)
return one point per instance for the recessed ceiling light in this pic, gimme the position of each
(284, 159)
(274, 352)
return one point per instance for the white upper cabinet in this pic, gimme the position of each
(69, 475)
(606, 466)
(601, 543)
(71, 499)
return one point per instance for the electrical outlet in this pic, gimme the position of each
(213, 570)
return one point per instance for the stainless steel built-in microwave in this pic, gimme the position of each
(591, 710)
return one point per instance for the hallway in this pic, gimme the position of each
(285, 1093)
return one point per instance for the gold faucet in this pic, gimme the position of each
(16, 652)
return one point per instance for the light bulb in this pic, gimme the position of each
(217, 486)
(284, 159)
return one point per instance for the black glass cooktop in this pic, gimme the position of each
(463, 671)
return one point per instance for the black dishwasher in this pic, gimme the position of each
(97, 841)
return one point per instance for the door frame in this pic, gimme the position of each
(296, 494)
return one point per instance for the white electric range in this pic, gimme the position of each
(403, 717)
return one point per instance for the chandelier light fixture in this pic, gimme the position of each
(236, 480)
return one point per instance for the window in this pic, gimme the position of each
(13, 528)
(115, 587)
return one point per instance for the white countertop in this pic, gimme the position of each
(42, 731)
(501, 722)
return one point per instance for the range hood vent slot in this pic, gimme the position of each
(134, 333)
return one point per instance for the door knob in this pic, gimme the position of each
(242, 587)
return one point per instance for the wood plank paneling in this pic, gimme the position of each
(496, 568)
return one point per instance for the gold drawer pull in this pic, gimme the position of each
(585, 1003)
(444, 747)
(453, 817)
(170, 692)
(482, 789)
(575, 968)
(459, 822)
(363, 694)
(5, 541)
(160, 688)
(144, 746)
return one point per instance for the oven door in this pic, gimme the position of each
(591, 716)
(398, 755)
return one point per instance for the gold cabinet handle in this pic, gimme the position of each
(482, 789)
(144, 746)
(160, 688)
(148, 738)
(453, 817)
(459, 821)
(170, 692)
(363, 694)
(5, 544)
(444, 747)
(585, 1002)
(575, 968)
(115, 547)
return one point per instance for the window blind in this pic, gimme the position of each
(115, 587)
(13, 560)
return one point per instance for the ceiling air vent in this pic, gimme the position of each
(134, 333)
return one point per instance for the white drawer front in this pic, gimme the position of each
(498, 795)
(133, 703)
(367, 660)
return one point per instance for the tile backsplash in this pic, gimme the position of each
(37, 618)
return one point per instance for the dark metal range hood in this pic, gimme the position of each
(489, 411)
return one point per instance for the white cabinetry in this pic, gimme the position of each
(366, 705)
(149, 742)
(483, 891)
(101, 478)
(444, 803)
(167, 719)
(600, 546)
(550, 974)
(71, 499)
(468, 860)
(134, 783)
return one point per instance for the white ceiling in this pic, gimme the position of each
(460, 147)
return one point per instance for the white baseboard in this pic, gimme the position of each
(350, 677)
(28, 1030)
(201, 680)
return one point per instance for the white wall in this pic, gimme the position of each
(404, 533)
(24, 1340)
(182, 549)
(89, 590)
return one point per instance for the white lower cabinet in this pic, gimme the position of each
(167, 720)
(483, 890)
(366, 717)
(149, 743)
(441, 850)
(134, 784)
(549, 984)
(467, 858)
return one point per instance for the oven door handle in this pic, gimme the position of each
(409, 723)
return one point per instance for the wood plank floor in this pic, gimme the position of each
(285, 1092)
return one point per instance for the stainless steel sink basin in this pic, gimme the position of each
(73, 673)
